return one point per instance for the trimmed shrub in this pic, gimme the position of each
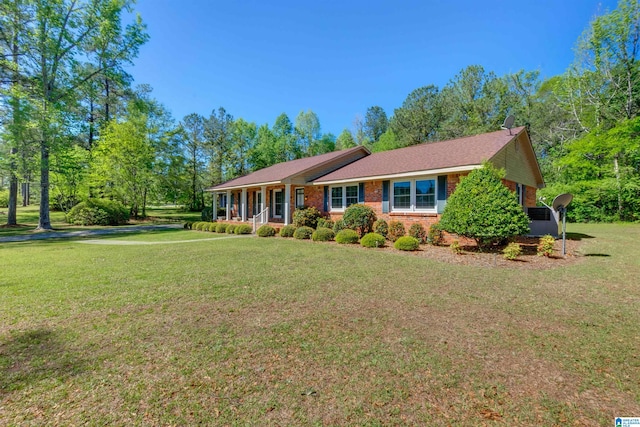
(338, 226)
(484, 209)
(396, 230)
(288, 230)
(347, 236)
(435, 236)
(381, 227)
(221, 227)
(4, 198)
(545, 245)
(98, 212)
(407, 243)
(372, 240)
(323, 234)
(266, 231)
(359, 217)
(303, 233)
(306, 216)
(512, 251)
(417, 231)
(455, 247)
(187, 225)
(324, 223)
(243, 229)
(230, 228)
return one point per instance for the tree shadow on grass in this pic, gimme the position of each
(28, 357)
(577, 236)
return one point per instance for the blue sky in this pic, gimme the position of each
(258, 59)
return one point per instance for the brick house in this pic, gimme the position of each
(409, 184)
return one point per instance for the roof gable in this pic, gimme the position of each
(306, 168)
(468, 151)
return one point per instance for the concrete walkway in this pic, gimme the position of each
(87, 233)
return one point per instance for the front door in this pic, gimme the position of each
(278, 201)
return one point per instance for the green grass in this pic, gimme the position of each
(250, 331)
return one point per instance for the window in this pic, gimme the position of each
(278, 200)
(414, 195)
(426, 194)
(343, 197)
(520, 193)
(299, 197)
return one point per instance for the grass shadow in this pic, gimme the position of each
(597, 255)
(577, 236)
(28, 357)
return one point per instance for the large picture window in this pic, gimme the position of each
(343, 197)
(414, 195)
(299, 197)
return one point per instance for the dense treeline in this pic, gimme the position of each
(72, 118)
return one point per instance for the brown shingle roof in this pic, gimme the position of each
(286, 170)
(466, 151)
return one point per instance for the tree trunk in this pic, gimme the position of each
(45, 220)
(616, 170)
(13, 190)
(144, 203)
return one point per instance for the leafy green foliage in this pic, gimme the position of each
(396, 230)
(435, 236)
(323, 234)
(302, 233)
(372, 240)
(324, 223)
(417, 230)
(306, 216)
(243, 229)
(266, 231)
(359, 217)
(4, 198)
(287, 231)
(346, 236)
(407, 243)
(221, 227)
(230, 228)
(482, 208)
(381, 227)
(187, 225)
(339, 225)
(545, 245)
(207, 213)
(512, 251)
(98, 212)
(455, 247)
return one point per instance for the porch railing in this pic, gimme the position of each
(261, 218)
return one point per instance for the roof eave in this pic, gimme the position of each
(411, 174)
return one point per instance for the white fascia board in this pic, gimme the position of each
(240, 187)
(402, 175)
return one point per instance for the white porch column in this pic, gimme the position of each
(263, 199)
(228, 215)
(287, 204)
(243, 204)
(214, 205)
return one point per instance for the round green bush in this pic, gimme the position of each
(4, 199)
(303, 233)
(372, 240)
(512, 251)
(306, 216)
(407, 243)
(347, 236)
(359, 217)
(323, 234)
(194, 226)
(435, 236)
(243, 229)
(288, 230)
(211, 226)
(417, 230)
(266, 231)
(98, 212)
(396, 230)
(324, 223)
(381, 227)
(230, 228)
(338, 226)
(221, 227)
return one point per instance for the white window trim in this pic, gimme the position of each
(295, 197)
(274, 202)
(412, 187)
(344, 196)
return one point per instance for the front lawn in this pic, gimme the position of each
(269, 331)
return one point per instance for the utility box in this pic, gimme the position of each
(542, 221)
